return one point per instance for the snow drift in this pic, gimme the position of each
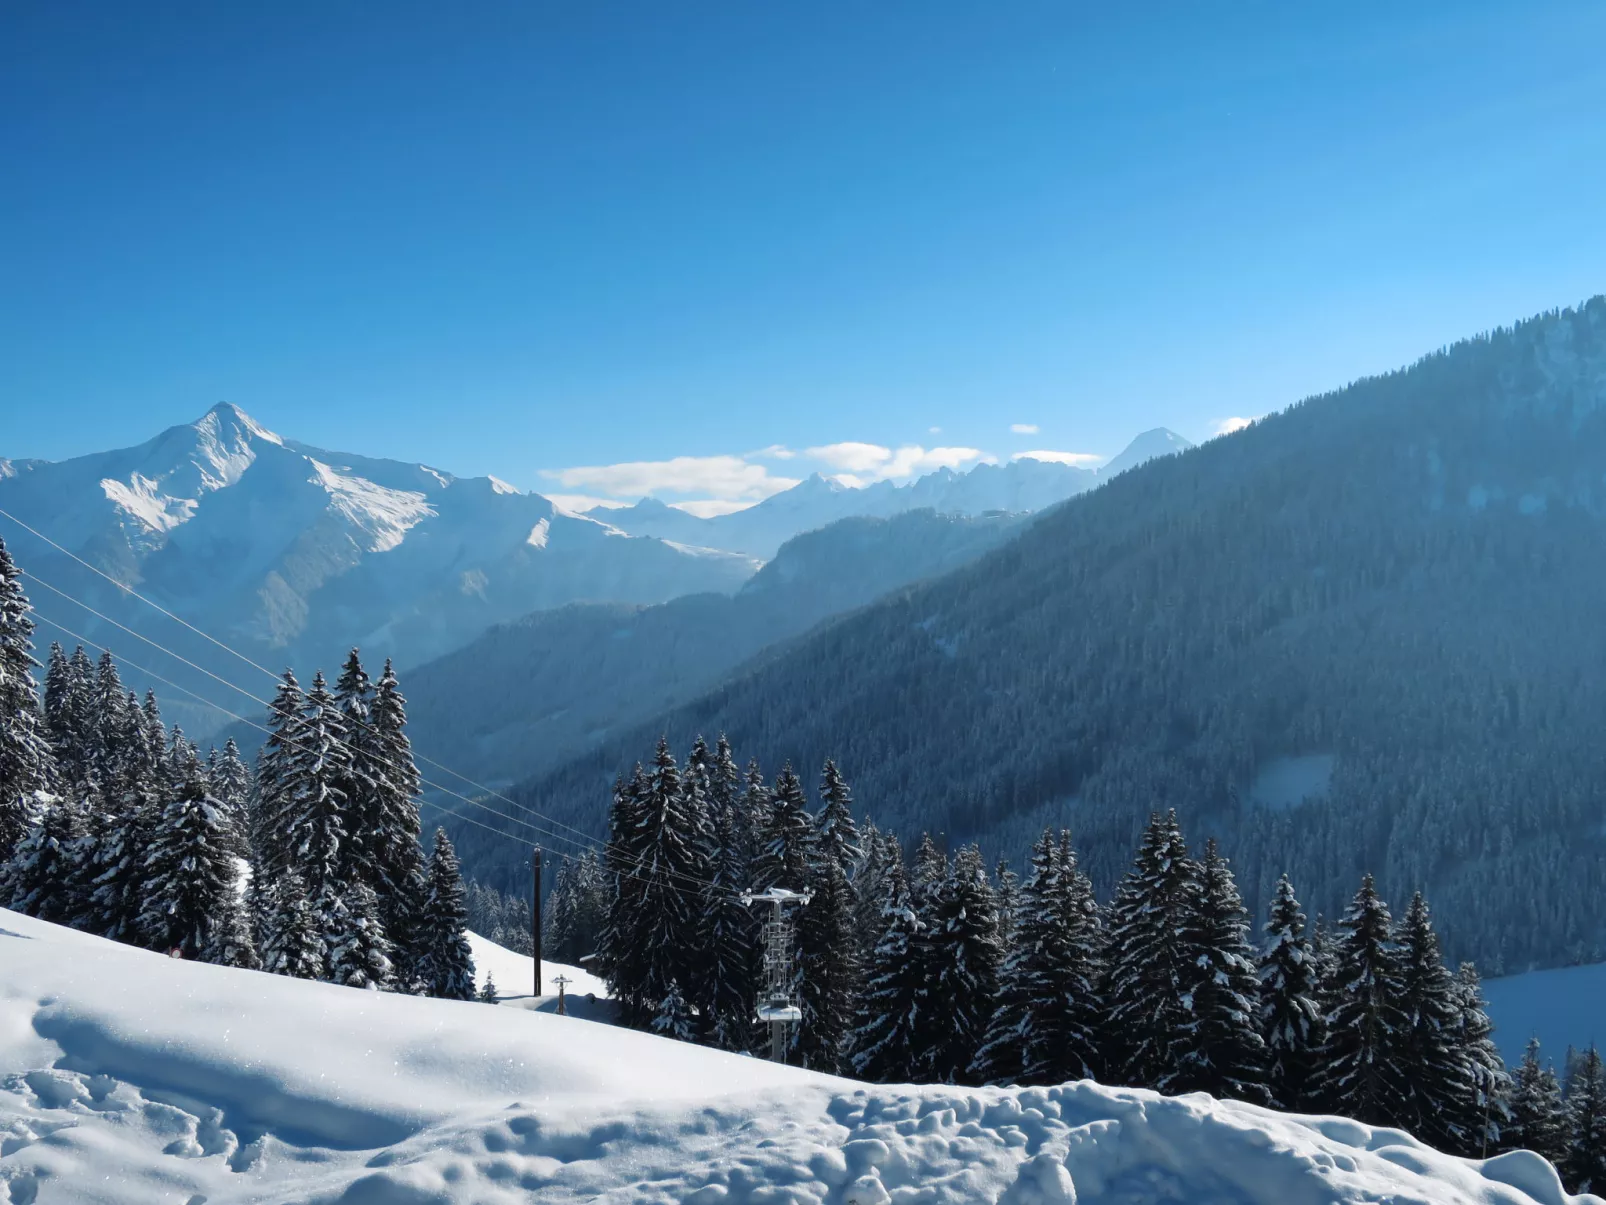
(129, 1077)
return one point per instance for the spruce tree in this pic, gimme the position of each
(673, 1018)
(318, 818)
(965, 952)
(1539, 1121)
(929, 875)
(890, 1013)
(192, 901)
(830, 964)
(728, 931)
(1062, 973)
(1220, 1050)
(673, 845)
(1289, 1015)
(27, 764)
(446, 965)
(291, 940)
(1151, 968)
(231, 785)
(40, 877)
(1359, 1074)
(361, 772)
(1583, 1167)
(116, 870)
(487, 993)
(1001, 1058)
(1428, 1057)
(66, 716)
(785, 835)
(621, 958)
(395, 857)
(1484, 1111)
(1006, 886)
(359, 953)
(271, 835)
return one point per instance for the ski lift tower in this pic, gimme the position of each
(777, 1005)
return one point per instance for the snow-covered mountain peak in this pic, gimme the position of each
(1161, 441)
(502, 487)
(383, 515)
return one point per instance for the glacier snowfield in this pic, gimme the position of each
(129, 1077)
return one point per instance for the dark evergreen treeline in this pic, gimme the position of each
(1399, 576)
(936, 970)
(113, 824)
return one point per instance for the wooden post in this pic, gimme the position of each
(535, 922)
(561, 980)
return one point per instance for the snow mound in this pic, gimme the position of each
(126, 1076)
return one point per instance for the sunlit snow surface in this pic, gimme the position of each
(130, 1077)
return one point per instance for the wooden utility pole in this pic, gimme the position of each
(535, 921)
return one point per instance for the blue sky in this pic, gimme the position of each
(527, 239)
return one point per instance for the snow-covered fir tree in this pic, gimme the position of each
(1538, 1120)
(396, 859)
(359, 780)
(291, 941)
(829, 965)
(488, 993)
(1583, 1167)
(1435, 1072)
(1001, 1058)
(231, 786)
(1484, 1111)
(1358, 1073)
(785, 837)
(271, 836)
(116, 864)
(70, 718)
(359, 953)
(192, 898)
(1289, 1015)
(27, 764)
(42, 874)
(965, 952)
(1006, 887)
(673, 846)
(890, 1013)
(319, 764)
(1221, 1051)
(1151, 963)
(445, 965)
(728, 926)
(621, 955)
(674, 1018)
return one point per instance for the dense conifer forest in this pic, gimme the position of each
(1397, 579)
(114, 824)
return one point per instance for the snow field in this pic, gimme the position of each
(129, 1077)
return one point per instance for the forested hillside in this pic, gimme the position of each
(532, 694)
(1403, 576)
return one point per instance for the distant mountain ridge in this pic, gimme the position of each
(292, 552)
(1022, 485)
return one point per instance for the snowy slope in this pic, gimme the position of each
(1561, 1007)
(128, 1077)
(296, 553)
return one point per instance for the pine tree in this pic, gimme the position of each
(39, 877)
(447, 966)
(116, 868)
(317, 829)
(1359, 1076)
(785, 835)
(673, 844)
(1151, 963)
(673, 1017)
(359, 780)
(231, 786)
(192, 901)
(359, 953)
(929, 876)
(291, 940)
(728, 930)
(1583, 1167)
(1221, 1050)
(829, 968)
(1484, 1110)
(487, 993)
(1007, 889)
(395, 857)
(621, 959)
(884, 1041)
(271, 835)
(1289, 1016)
(1437, 1078)
(966, 955)
(870, 885)
(1001, 1058)
(27, 764)
(1539, 1120)
(66, 715)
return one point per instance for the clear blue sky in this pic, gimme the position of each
(513, 237)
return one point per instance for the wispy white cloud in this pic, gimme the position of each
(773, 452)
(1226, 426)
(1080, 459)
(727, 477)
(867, 462)
(934, 430)
(1023, 428)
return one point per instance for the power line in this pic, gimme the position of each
(586, 842)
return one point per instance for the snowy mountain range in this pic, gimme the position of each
(1019, 485)
(294, 553)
